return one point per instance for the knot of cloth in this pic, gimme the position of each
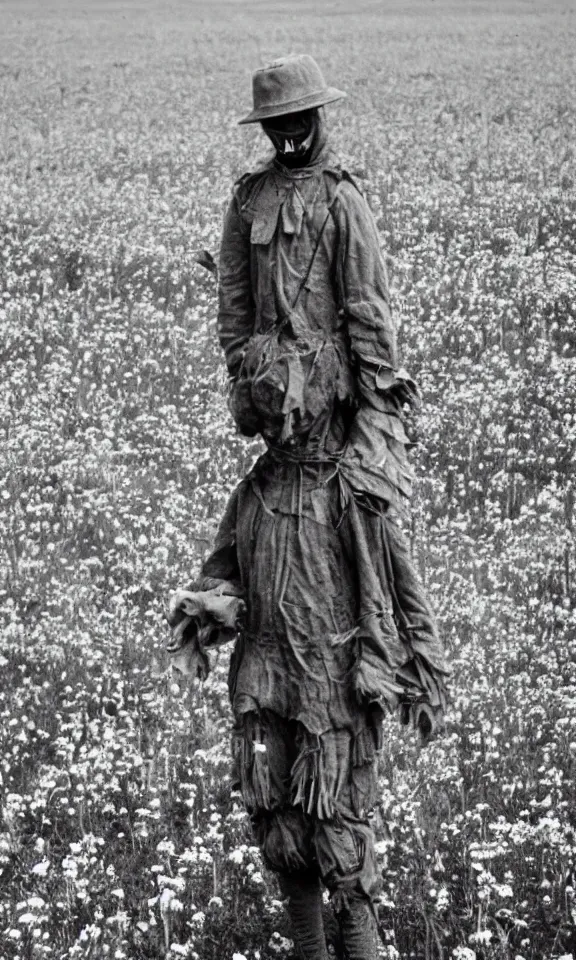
(304, 455)
(286, 384)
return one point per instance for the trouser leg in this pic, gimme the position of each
(304, 904)
(358, 929)
(347, 865)
(301, 848)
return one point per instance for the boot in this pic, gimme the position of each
(304, 904)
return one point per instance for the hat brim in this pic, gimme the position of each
(330, 95)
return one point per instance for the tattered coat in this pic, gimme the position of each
(337, 625)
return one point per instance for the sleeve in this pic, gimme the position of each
(364, 293)
(222, 562)
(376, 457)
(216, 591)
(235, 301)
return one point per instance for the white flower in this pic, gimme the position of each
(481, 936)
(443, 898)
(41, 868)
(280, 944)
(463, 953)
(381, 847)
(167, 847)
(165, 898)
(36, 903)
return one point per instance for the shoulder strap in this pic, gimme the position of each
(316, 246)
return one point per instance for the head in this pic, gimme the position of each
(289, 96)
(295, 136)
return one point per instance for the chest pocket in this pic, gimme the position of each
(264, 226)
(264, 210)
(287, 204)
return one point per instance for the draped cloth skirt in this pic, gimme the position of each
(338, 632)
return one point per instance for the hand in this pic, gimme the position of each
(400, 383)
(206, 615)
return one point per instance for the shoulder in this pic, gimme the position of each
(249, 184)
(339, 174)
(342, 186)
(349, 207)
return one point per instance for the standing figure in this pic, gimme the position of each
(337, 629)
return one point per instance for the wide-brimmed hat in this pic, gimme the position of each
(287, 86)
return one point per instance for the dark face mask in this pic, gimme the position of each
(291, 135)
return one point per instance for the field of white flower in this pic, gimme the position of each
(119, 834)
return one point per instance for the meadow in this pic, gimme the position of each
(120, 836)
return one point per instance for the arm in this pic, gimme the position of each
(235, 302)
(375, 458)
(207, 611)
(222, 562)
(363, 282)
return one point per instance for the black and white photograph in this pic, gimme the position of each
(287, 479)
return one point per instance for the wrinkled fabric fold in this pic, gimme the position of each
(309, 798)
(337, 618)
(337, 629)
(308, 243)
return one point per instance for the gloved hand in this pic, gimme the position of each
(199, 619)
(400, 384)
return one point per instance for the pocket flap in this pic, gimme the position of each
(264, 224)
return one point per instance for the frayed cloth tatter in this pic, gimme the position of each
(309, 782)
(254, 770)
(399, 657)
(281, 765)
(284, 837)
(363, 747)
(309, 797)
